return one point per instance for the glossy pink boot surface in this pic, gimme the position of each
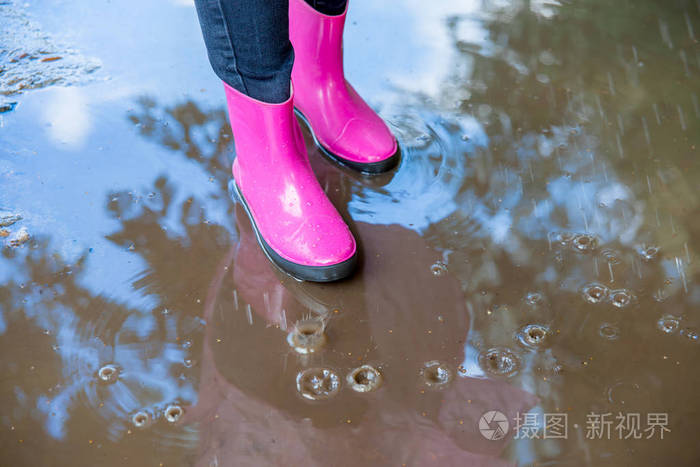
(296, 225)
(343, 125)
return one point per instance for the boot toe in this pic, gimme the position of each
(364, 141)
(319, 241)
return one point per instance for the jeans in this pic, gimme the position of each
(248, 43)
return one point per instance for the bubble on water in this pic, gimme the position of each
(563, 238)
(611, 256)
(438, 269)
(533, 335)
(499, 361)
(436, 374)
(595, 293)
(621, 298)
(364, 379)
(318, 383)
(609, 331)
(647, 252)
(108, 373)
(668, 324)
(584, 243)
(307, 335)
(173, 413)
(142, 419)
(534, 298)
(188, 363)
(691, 334)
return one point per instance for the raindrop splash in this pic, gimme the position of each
(609, 331)
(173, 413)
(141, 419)
(595, 293)
(436, 374)
(691, 335)
(307, 335)
(668, 324)
(318, 383)
(647, 252)
(438, 269)
(500, 361)
(533, 335)
(584, 243)
(621, 298)
(364, 379)
(108, 373)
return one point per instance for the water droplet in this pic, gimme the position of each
(563, 238)
(609, 331)
(584, 243)
(173, 413)
(141, 419)
(595, 293)
(307, 335)
(668, 324)
(611, 256)
(533, 335)
(436, 374)
(318, 383)
(691, 334)
(647, 252)
(188, 363)
(364, 379)
(108, 373)
(499, 361)
(534, 298)
(438, 269)
(621, 298)
(187, 344)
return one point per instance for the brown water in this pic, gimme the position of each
(535, 252)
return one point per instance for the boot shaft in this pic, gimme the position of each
(318, 43)
(261, 130)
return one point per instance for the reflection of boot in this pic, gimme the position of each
(344, 126)
(295, 223)
(247, 403)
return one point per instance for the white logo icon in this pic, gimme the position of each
(493, 425)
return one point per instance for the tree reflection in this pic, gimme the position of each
(556, 138)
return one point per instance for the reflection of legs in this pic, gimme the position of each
(328, 7)
(248, 45)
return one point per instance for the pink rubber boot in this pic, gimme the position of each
(343, 125)
(296, 225)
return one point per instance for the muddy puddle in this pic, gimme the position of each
(528, 291)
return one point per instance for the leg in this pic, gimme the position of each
(248, 45)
